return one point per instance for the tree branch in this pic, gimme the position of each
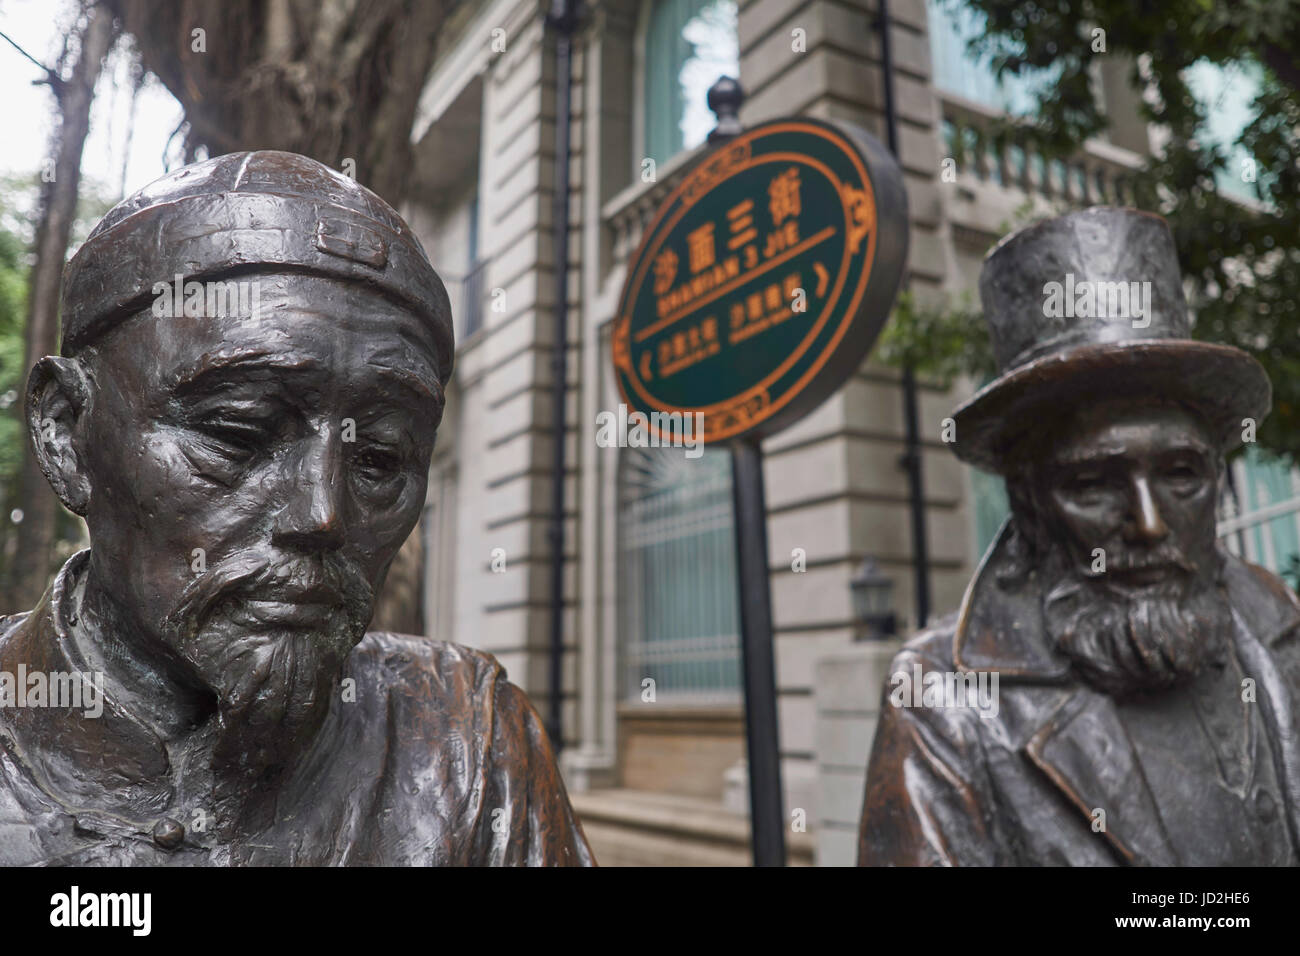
(50, 76)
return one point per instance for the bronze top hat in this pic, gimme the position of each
(249, 212)
(1090, 305)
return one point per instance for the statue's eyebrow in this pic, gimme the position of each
(1100, 454)
(226, 361)
(423, 385)
(395, 366)
(1076, 458)
(1188, 445)
(401, 365)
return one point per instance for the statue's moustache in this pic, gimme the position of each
(1165, 558)
(327, 580)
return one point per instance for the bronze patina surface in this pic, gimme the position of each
(1147, 681)
(248, 470)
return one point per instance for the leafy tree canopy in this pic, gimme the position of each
(1241, 260)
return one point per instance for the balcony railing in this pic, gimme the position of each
(1099, 173)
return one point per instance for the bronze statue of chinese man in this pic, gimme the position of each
(1116, 688)
(251, 376)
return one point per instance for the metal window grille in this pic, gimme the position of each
(1259, 515)
(679, 605)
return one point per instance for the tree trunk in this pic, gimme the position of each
(31, 568)
(331, 79)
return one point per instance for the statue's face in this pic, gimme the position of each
(250, 482)
(1125, 526)
(1139, 483)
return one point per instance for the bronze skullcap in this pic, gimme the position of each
(244, 213)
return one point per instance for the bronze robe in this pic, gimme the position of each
(440, 761)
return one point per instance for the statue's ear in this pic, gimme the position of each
(58, 397)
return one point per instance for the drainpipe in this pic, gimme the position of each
(562, 20)
(911, 458)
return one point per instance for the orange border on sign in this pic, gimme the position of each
(658, 228)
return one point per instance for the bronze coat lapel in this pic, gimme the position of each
(1084, 749)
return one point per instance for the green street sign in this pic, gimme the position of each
(764, 279)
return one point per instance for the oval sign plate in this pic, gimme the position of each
(764, 279)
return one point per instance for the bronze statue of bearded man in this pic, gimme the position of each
(248, 462)
(1147, 679)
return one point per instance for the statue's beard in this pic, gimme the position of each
(1128, 642)
(272, 682)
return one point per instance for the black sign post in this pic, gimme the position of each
(758, 656)
(758, 289)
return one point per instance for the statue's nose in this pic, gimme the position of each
(1147, 522)
(310, 517)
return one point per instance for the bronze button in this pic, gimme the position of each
(1265, 805)
(168, 834)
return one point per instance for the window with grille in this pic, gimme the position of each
(1259, 513)
(678, 600)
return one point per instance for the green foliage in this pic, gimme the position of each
(941, 342)
(1242, 263)
(13, 310)
(19, 203)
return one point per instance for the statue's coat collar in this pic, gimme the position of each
(75, 758)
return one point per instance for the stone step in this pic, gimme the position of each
(642, 828)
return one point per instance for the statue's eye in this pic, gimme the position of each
(378, 463)
(244, 436)
(1086, 482)
(1182, 473)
